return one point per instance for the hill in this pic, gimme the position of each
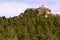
(31, 25)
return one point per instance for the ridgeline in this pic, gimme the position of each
(33, 24)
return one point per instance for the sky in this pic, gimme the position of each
(10, 8)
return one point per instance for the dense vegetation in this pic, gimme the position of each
(30, 26)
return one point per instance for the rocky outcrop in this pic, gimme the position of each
(43, 11)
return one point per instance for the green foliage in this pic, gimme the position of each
(30, 27)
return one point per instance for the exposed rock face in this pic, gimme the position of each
(43, 11)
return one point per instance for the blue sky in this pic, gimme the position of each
(10, 8)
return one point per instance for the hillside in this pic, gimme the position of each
(30, 25)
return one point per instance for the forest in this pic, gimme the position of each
(30, 26)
